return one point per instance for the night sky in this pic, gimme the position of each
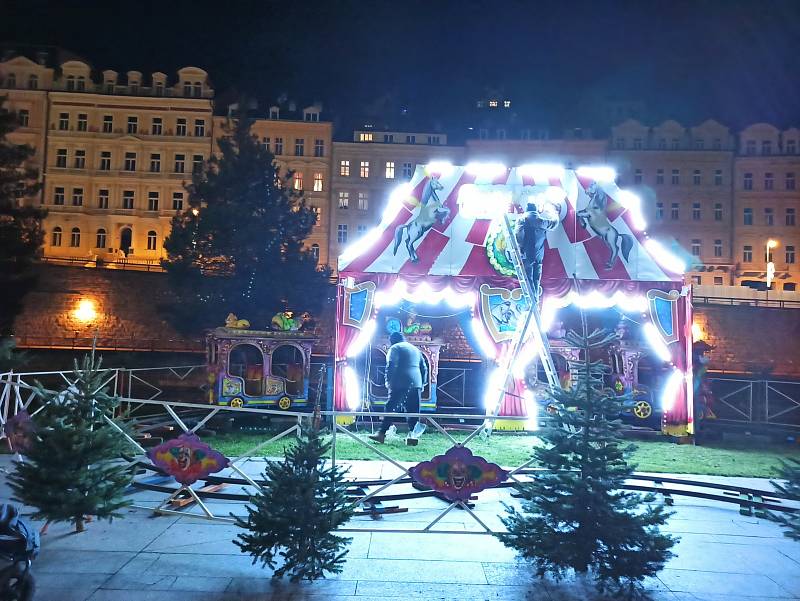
(738, 61)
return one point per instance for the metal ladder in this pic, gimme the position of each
(531, 326)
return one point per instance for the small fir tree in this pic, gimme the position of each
(790, 489)
(296, 514)
(239, 246)
(72, 469)
(575, 516)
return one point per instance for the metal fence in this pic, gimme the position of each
(764, 402)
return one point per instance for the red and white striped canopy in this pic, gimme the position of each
(460, 243)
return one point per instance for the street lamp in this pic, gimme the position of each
(770, 265)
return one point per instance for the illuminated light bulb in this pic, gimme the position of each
(697, 332)
(195, 211)
(541, 171)
(664, 258)
(364, 337)
(494, 386)
(532, 409)
(86, 311)
(488, 171)
(598, 173)
(483, 202)
(633, 204)
(351, 388)
(486, 346)
(656, 342)
(671, 389)
(443, 168)
(528, 354)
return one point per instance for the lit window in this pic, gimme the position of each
(747, 254)
(317, 182)
(493, 103)
(56, 237)
(341, 233)
(364, 169)
(506, 103)
(298, 180)
(365, 137)
(152, 240)
(152, 201)
(344, 168)
(317, 214)
(363, 200)
(747, 217)
(389, 169)
(75, 237)
(102, 199)
(344, 199)
(77, 197)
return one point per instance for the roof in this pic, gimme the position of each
(595, 217)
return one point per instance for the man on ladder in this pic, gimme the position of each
(531, 233)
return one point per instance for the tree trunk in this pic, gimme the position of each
(79, 527)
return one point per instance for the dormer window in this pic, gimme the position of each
(507, 104)
(274, 113)
(70, 82)
(187, 89)
(493, 104)
(109, 85)
(33, 82)
(81, 83)
(311, 116)
(198, 89)
(133, 87)
(159, 88)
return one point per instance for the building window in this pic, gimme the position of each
(363, 200)
(361, 230)
(341, 233)
(180, 163)
(695, 211)
(766, 147)
(152, 240)
(411, 139)
(435, 139)
(790, 216)
(659, 211)
(317, 182)
(100, 239)
(109, 87)
(637, 143)
(769, 181)
(790, 254)
(105, 160)
(198, 89)
(152, 201)
(748, 216)
(344, 168)
(718, 280)
(58, 196)
(389, 170)
(155, 163)
(750, 147)
(317, 214)
(77, 197)
(718, 177)
(769, 216)
(365, 137)
(108, 124)
(718, 211)
(315, 252)
(130, 161)
(674, 212)
(637, 176)
(177, 201)
(676, 144)
(80, 159)
(278, 145)
(63, 121)
(676, 177)
(157, 126)
(133, 125)
(199, 128)
(23, 117)
(699, 144)
(791, 147)
(364, 169)
(180, 127)
(298, 180)
(33, 82)
(662, 143)
(197, 163)
(83, 122)
(747, 254)
(127, 199)
(747, 183)
(56, 237)
(717, 248)
(696, 177)
(408, 170)
(620, 143)
(187, 89)
(61, 158)
(659, 176)
(697, 280)
(319, 148)
(344, 199)
(102, 199)
(388, 138)
(299, 147)
(75, 237)
(790, 181)
(159, 88)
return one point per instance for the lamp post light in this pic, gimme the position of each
(770, 265)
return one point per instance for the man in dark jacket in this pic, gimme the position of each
(531, 233)
(406, 376)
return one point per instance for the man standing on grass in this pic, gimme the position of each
(406, 375)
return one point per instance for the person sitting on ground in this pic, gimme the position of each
(406, 375)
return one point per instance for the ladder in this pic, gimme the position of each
(531, 326)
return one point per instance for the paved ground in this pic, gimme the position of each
(721, 556)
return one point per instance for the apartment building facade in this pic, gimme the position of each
(113, 155)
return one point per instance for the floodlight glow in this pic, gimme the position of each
(526, 355)
(480, 202)
(486, 346)
(671, 389)
(532, 409)
(591, 300)
(633, 204)
(665, 258)
(443, 168)
(351, 388)
(360, 245)
(656, 342)
(486, 170)
(495, 384)
(541, 171)
(397, 199)
(363, 338)
(697, 332)
(599, 173)
(86, 311)
(423, 294)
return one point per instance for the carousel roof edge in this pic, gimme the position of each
(245, 333)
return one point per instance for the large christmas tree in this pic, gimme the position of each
(292, 523)
(575, 516)
(72, 468)
(21, 232)
(790, 472)
(239, 246)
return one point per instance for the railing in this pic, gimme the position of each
(748, 302)
(153, 265)
(132, 344)
(765, 402)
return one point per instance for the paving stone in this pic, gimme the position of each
(119, 535)
(52, 586)
(403, 590)
(84, 562)
(213, 539)
(750, 558)
(390, 570)
(147, 581)
(186, 564)
(288, 590)
(703, 583)
(454, 547)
